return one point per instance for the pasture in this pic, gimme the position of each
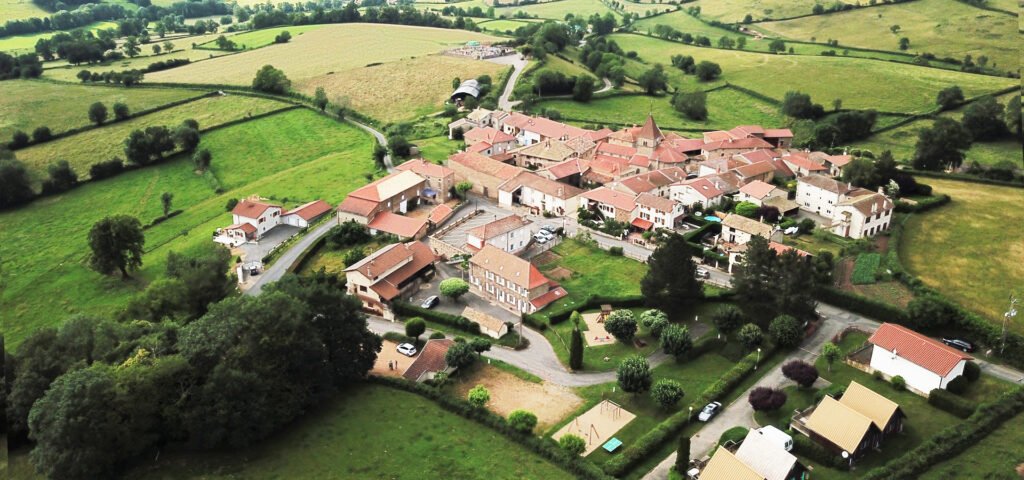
(502, 26)
(19, 9)
(558, 10)
(941, 27)
(29, 104)
(16, 44)
(962, 249)
(726, 109)
(263, 37)
(856, 81)
(733, 11)
(293, 157)
(101, 144)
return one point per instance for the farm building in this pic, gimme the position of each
(539, 194)
(924, 363)
(440, 179)
(468, 88)
(430, 361)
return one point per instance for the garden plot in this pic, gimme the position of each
(597, 425)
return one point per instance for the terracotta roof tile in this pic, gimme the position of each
(310, 210)
(757, 189)
(499, 227)
(400, 225)
(426, 169)
(660, 204)
(252, 208)
(919, 349)
(431, 359)
(618, 200)
(510, 267)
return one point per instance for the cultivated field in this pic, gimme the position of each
(25, 43)
(297, 155)
(946, 28)
(262, 38)
(30, 104)
(18, 9)
(101, 144)
(734, 10)
(963, 250)
(558, 10)
(183, 48)
(856, 81)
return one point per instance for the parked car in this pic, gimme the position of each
(709, 411)
(703, 273)
(791, 230)
(548, 228)
(542, 235)
(541, 240)
(407, 349)
(959, 344)
(430, 302)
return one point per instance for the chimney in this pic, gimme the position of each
(881, 190)
(561, 191)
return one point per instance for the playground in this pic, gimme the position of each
(598, 425)
(596, 335)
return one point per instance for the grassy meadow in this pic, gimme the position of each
(732, 11)
(558, 10)
(962, 249)
(16, 44)
(101, 144)
(292, 157)
(945, 28)
(30, 104)
(262, 37)
(183, 49)
(502, 26)
(19, 9)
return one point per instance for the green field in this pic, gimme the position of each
(645, 8)
(18, 9)
(298, 155)
(263, 37)
(558, 10)
(30, 104)
(26, 43)
(734, 10)
(726, 109)
(101, 144)
(945, 28)
(855, 81)
(993, 457)
(502, 26)
(980, 266)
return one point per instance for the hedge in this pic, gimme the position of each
(964, 177)
(705, 345)
(670, 428)
(454, 321)
(952, 403)
(577, 466)
(809, 448)
(923, 205)
(862, 305)
(593, 301)
(953, 439)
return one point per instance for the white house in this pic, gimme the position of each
(539, 194)
(820, 194)
(660, 212)
(924, 363)
(757, 192)
(739, 230)
(696, 190)
(251, 219)
(862, 214)
(511, 234)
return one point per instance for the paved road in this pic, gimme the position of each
(518, 63)
(381, 139)
(280, 267)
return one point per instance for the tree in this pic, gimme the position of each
(904, 43)
(741, 42)
(165, 201)
(949, 97)
(667, 392)
(861, 172)
(707, 71)
(621, 325)
(271, 80)
(691, 104)
(201, 159)
(726, 41)
(116, 243)
(583, 90)
(98, 113)
(941, 146)
(777, 46)
(168, 46)
(142, 147)
(576, 349)
(187, 138)
(750, 336)
(894, 29)
(803, 373)
(522, 421)
(984, 119)
(837, 104)
(414, 327)
(456, 82)
(671, 283)
(654, 321)
(156, 49)
(957, 385)
(453, 288)
(654, 80)
(19, 139)
(399, 146)
(676, 341)
(1013, 116)
(15, 184)
(746, 209)
(460, 355)
(62, 178)
(830, 352)
(786, 331)
(799, 105)
(283, 37)
(573, 444)
(41, 134)
(931, 312)
(131, 46)
(764, 399)
(728, 318)
(320, 98)
(121, 111)
(462, 187)
(634, 374)
(478, 396)
(480, 345)
(683, 451)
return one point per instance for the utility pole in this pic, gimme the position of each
(1012, 312)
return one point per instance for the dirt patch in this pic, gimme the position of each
(560, 273)
(550, 403)
(389, 354)
(597, 425)
(546, 258)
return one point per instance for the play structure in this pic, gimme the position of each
(596, 334)
(598, 425)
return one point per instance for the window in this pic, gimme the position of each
(501, 281)
(490, 276)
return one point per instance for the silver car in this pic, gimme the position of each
(709, 411)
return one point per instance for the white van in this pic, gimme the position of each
(777, 436)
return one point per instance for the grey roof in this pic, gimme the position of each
(469, 87)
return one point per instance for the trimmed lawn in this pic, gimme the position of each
(437, 149)
(993, 457)
(796, 399)
(817, 242)
(370, 431)
(502, 26)
(29, 104)
(595, 272)
(734, 10)
(971, 234)
(293, 157)
(855, 81)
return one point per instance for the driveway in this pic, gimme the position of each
(254, 252)
(518, 64)
(277, 269)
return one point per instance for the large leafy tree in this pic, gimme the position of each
(671, 282)
(634, 374)
(271, 80)
(453, 288)
(941, 146)
(15, 183)
(786, 331)
(786, 281)
(667, 392)
(621, 325)
(1013, 117)
(984, 119)
(116, 243)
(654, 80)
(676, 341)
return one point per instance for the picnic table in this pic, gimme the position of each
(612, 444)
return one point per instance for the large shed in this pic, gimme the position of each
(467, 88)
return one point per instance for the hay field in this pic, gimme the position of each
(297, 155)
(732, 11)
(860, 83)
(963, 250)
(17, 44)
(263, 37)
(61, 70)
(101, 144)
(424, 85)
(28, 104)
(942, 27)
(19, 9)
(558, 10)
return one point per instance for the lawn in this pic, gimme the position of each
(293, 157)
(595, 272)
(263, 37)
(29, 104)
(101, 144)
(734, 10)
(558, 10)
(502, 26)
(796, 399)
(19, 9)
(941, 27)
(25, 43)
(817, 242)
(855, 81)
(979, 264)
(726, 109)
(437, 149)
(992, 457)
(369, 431)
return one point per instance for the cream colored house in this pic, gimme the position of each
(511, 282)
(391, 273)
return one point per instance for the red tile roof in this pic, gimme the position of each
(402, 226)
(801, 161)
(310, 210)
(778, 133)
(440, 213)
(544, 185)
(688, 144)
(484, 165)
(416, 256)
(499, 227)
(569, 167)
(755, 169)
(425, 168)
(431, 359)
(780, 249)
(543, 126)
(388, 186)
(642, 224)
(615, 150)
(510, 267)
(660, 204)
(757, 189)
(489, 135)
(756, 156)
(737, 144)
(650, 130)
(552, 295)
(252, 208)
(925, 352)
(244, 226)
(357, 206)
(618, 200)
(704, 187)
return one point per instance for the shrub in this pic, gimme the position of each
(437, 335)
(654, 321)
(634, 374)
(414, 327)
(972, 372)
(728, 318)
(786, 331)
(41, 134)
(667, 392)
(460, 354)
(454, 321)
(573, 444)
(957, 385)
(522, 421)
(705, 345)
(734, 434)
(750, 336)
(898, 383)
(18, 139)
(683, 454)
(101, 170)
(478, 396)
(806, 447)
(576, 349)
(615, 251)
(766, 399)
(803, 373)
(621, 324)
(951, 403)
(232, 202)
(453, 288)
(676, 341)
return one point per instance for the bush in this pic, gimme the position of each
(676, 341)
(415, 327)
(18, 139)
(453, 288)
(766, 399)
(41, 134)
(621, 324)
(898, 383)
(667, 392)
(728, 318)
(522, 421)
(615, 251)
(957, 385)
(654, 321)
(573, 444)
(478, 396)
(734, 434)
(634, 374)
(454, 321)
(806, 447)
(803, 373)
(750, 336)
(786, 331)
(972, 372)
(705, 345)
(101, 170)
(951, 403)
(437, 335)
